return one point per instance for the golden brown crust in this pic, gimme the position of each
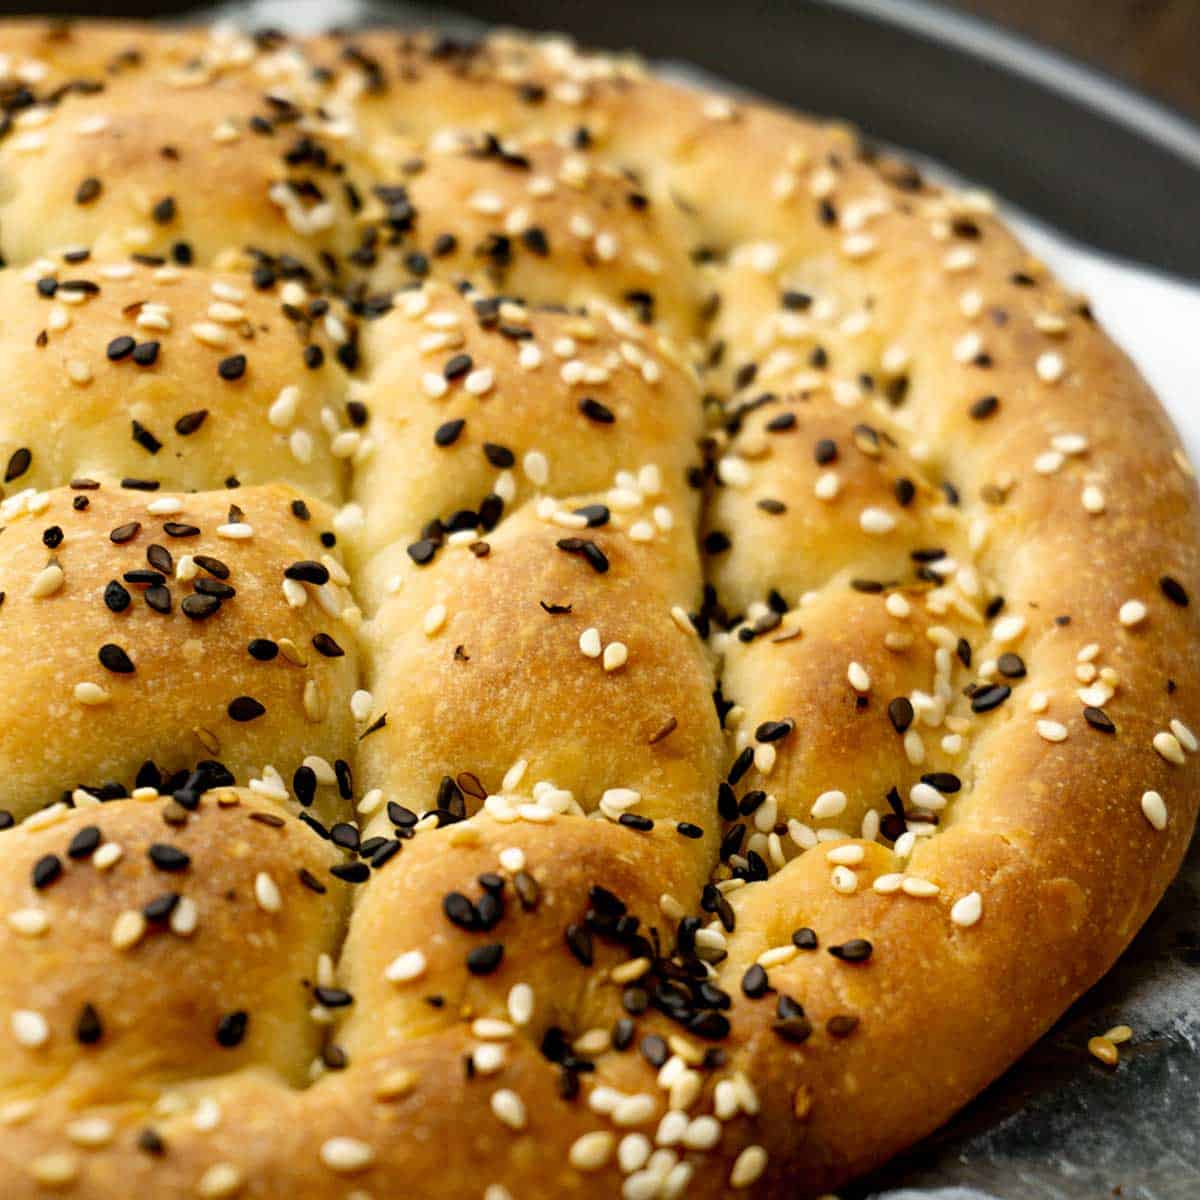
(520, 911)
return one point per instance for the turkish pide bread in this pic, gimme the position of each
(565, 636)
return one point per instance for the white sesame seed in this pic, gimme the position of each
(266, 892)
(589, 642)
(1052, 731)
(876, 520)
(1093, 499)
(748, 1167)
(128, 929)
(1155, 809)
(520, 1004)
(47, 581)
(435, 619)
(107, 856)
(406, 967)
(885, 885)
(844, 880)
(56, 1169)
(1050, 367)
(633, 1110)
(536, 467)
(967, 909)
(1167, 744)
(91, 694)
(237, 531)
(1187, 739)
(210, 334)
(346, 1154)
(29, 922)
(828, 804)
(509, 1108)
(616, 655)
(914, 885)
(29, 1028)
(632, 1152)
(1008, 629)
(92, 1131)
(590, 1151)
(1048, 462)
(847, 856)
(860, 681)
(434, 385)
(827, 485)
(480, 381)
(184, 917)
(1131, 613)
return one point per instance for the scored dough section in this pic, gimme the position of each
(220, 614)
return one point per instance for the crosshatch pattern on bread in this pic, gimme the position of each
(565, 636)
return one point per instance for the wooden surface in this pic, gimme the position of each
(1152, 44)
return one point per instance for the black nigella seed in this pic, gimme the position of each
(457, 366)
(18, 463)
(161, 907)
(46, 870)
(327, 647)
(1097, 718)
(89, 1029)
(116, 597)
(579, 942)
(232, 368)
(264, 650)
(595, 411)
(900, 713)
(990, 697)
(793, 1029)
(804, 939)
(124, 533)
(774, 731)
(198, 606)
(1171, 588)
(304, 781)
(422, 552)
(84, 842)
(483, 960)
(354, 872)
(460, 911)
(754, 982)
(231, 1028)
(401, 817)
(88, 190)
(114, 659)
(168, 858)
(245, 708)
(308, 571)
(448, 432)
(145, 354)
(190, 422)
(984, 407)
(119, 348)
(1011, 665)
(500, 457)
(855, 950)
